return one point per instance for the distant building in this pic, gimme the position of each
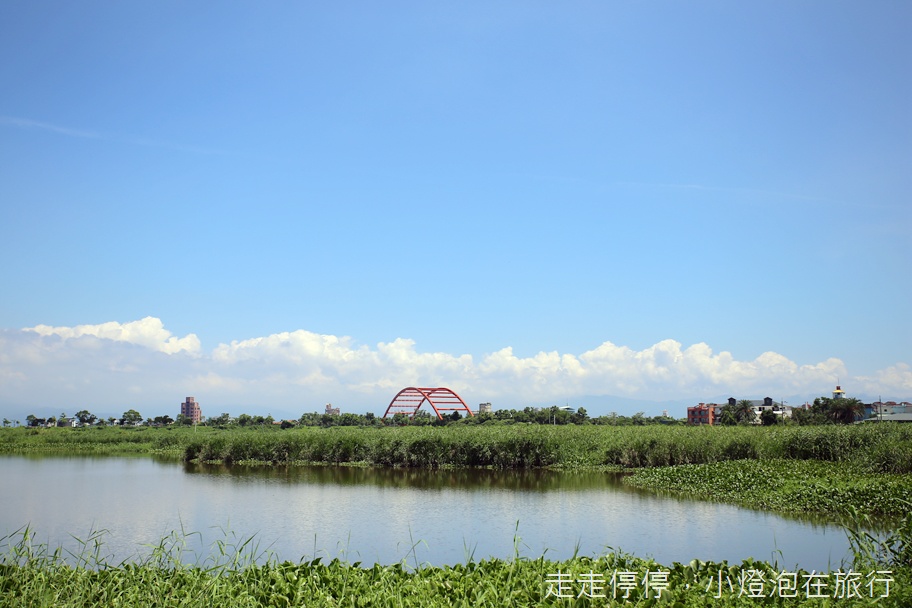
(710, 413)
(484, 408)
(703, 413)
(891, 407)
(779, 409)
(191, 410)
(332, 411)
(889, 411)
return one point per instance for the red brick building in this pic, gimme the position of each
(704, 413)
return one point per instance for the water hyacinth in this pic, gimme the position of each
(788, 486)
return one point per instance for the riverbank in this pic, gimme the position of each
(819, 469)
(882, 448)
(33, 576)
(785, 486)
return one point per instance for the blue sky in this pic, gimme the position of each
(529, 202)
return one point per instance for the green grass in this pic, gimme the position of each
(89, 441)
(788, 486)
(237, 575)
(884, 448)
(860, 469)
(820, 469)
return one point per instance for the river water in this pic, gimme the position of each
(385, 516)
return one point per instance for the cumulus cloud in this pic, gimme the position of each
(149, 332)
(310, 359)
(300, 370)
(898, 377)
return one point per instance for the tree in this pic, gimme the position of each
(222, 420)
(727, 417)
(768, 418)
(6, 422)
(580, 417)
(422, 418)
(400, 419)
(744, 411)
(846, 410)
(131, 417)
(86, 417)
(31, 420)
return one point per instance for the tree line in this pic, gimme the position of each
(823, 411)
(554, 415)
(86, 418)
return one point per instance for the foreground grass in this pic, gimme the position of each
(34, 577)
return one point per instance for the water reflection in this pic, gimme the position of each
(386, 515)
(420, 479)
(463, 479)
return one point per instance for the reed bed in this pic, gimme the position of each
(885, 448)
(876, 448)
(94, 441)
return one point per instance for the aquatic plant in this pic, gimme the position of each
(238, 573)
(884, 448)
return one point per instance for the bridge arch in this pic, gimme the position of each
(410, 399)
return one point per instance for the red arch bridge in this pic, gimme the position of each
(410, 399)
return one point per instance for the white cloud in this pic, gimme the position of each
(895, 380)
(149, 332)
(141, 363)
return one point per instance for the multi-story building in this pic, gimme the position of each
(332, 411)
(484, 408)
(703, 413)
(710, 413)
(191, 410)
